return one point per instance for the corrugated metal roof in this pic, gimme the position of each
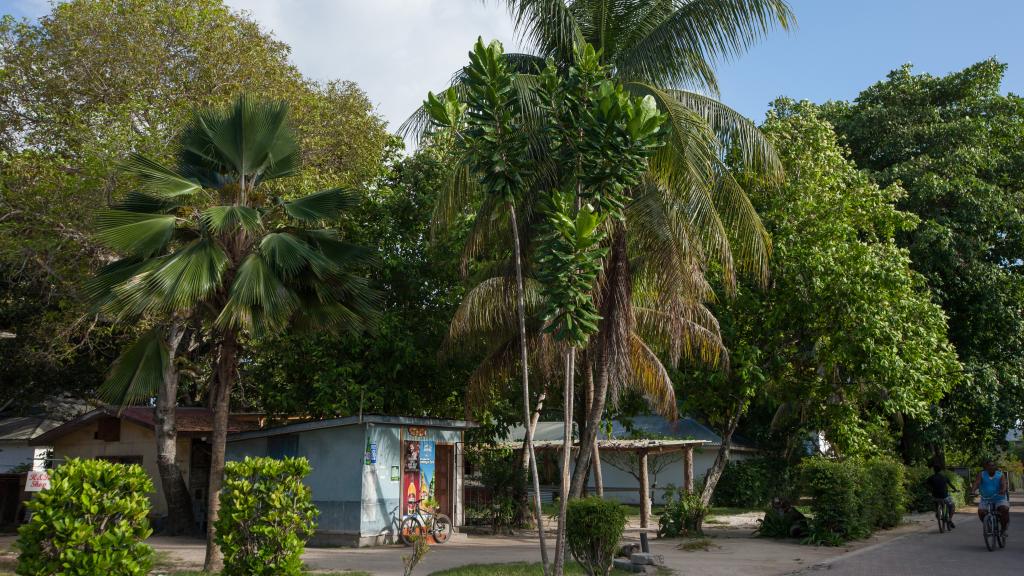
(353, 421)
(189, 420)
(24, 428)
(685, 428)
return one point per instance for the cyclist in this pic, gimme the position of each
(940, 486)
(993, 487)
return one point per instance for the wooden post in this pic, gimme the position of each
(645, 501)
(688, 469)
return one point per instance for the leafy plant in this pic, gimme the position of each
(754, 482)
(420, 547)
(683, 514)
(92, 520)
(594, 527)
(266, 516)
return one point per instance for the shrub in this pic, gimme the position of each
(885, 500)
(501, 472)
(92, 520)
(683, 514)
(832, 487)
(593, 529)
(752, 483)
(266, 515)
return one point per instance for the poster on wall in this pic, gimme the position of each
(412, 491)
(411, 481)
(426, 469)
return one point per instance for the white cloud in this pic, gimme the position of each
(396, 50)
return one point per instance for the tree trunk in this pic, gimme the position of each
(226, 365)
(528, 451)
(598, 474)
(614, 303)
(180, 518)
(570, 370)
(595, 459)
(715, 472)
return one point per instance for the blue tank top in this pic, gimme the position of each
(990, 486)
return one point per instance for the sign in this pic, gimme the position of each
(417, 432)
(395, 474)
(427, 469)
(370, 456)
(37, 480)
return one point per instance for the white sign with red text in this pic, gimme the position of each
(37, 480)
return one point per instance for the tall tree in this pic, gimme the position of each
(208, 238)
(691, 213)
(953, 143)
(846, 341)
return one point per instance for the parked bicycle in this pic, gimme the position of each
(422, 522)
(942, 515)
(992, 528)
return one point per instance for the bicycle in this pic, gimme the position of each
(942, 515)
(992, 528)
(421, 522)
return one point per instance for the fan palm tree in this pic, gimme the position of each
(207, 240)
(691, 213)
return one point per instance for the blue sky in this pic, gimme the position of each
(398, 49)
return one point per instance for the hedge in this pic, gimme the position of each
(752, 483)
(92, 520)
(852, 498)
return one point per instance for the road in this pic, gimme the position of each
(929, 553)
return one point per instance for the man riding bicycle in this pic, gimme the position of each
(991, 483)
(940, 486)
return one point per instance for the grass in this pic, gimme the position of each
(193, 573)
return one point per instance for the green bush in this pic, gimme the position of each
(92, 520)
(683, 514)
(852, 498)
(888, 500)
(266, 515)
(593, 528)
(919, 497)
(752, 483)
(500, 470)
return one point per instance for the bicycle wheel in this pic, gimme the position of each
(410, 529)
(990, 532)
(941, 518)
(1001, 537)
(442, 529)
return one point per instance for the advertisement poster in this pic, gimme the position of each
(411, 481)
(37, 480)
(426, 469)
(412, 490)
(412, 456)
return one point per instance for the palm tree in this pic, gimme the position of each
(207, 240)
(691, 213)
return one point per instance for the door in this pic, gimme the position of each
(443, 478)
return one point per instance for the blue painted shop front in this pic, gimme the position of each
(367, 470)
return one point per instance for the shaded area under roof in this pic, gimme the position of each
(190, 421)
(354, 421)
(685, 428)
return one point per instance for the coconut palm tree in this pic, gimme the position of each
(207, 240)
(690, 214)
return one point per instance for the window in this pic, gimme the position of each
(108, 429)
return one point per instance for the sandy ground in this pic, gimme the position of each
(730, 549)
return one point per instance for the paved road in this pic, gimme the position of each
(932, 554)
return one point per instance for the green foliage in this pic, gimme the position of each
(682, 515)
(594, 527)
(953, 144)
(919, 497)
(266, 516)
(753, 482)
(92, 520)
(852, 498)
(502, 473)
(68, 116)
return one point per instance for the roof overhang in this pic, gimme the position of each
(644, 446)
(353, 421)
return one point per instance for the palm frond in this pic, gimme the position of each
(158, 180)
(751, 246)
(140, 234)
(174, 282)
(141, 202)
(735, 131)
(258, 299)
(323, 206)
(288, 255)
(100, 288)
(648, 377)
(137, 373)
(490, 307)
(230, 219)
(684, 46)
(549, 25)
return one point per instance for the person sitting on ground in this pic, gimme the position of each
(991, 483)
(940, 485)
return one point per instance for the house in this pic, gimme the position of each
(128, 436)
(669, 465)
(17, 457)
(367, 470)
